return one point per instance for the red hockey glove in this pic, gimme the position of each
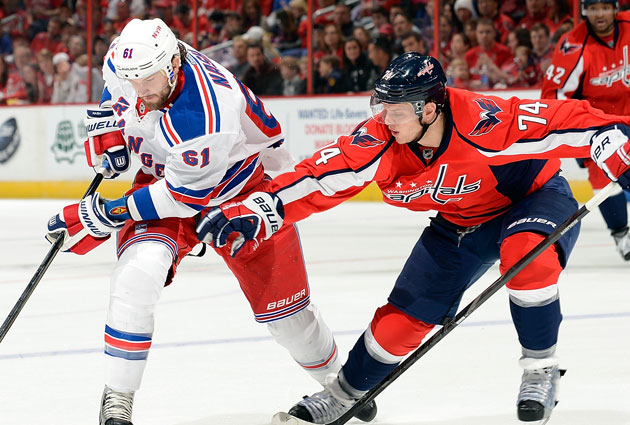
(610, 150)
(105, 147)
(242, 226)
(84, 225)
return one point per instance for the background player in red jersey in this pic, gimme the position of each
(592, 62)
(489, 167)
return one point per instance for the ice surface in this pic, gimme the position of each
(212, 364)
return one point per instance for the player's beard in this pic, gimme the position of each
(156, 101)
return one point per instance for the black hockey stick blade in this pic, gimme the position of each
(609, 190)
(52, 253)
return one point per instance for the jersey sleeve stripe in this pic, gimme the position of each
(171, 136)
(573, 138)
(328, 184)
(110, 64)
(141, 205)
(572, 82)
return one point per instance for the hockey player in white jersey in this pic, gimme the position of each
(202, 138)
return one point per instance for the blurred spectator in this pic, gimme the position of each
(233, 26)
(380, 17)
(536, 11)
(12, 86)
(565, 27)
(363, 36)
(46, 74)
(285, 33)
(460, 44)
(446, 31)
(239, 63)
(136, 8)
(523, 72)
(502, 23)
(38, 13)
(332, 43)
(457, 74)
(380, 53)
(32, 83)
(80, 68)
(183, 22)
(559, 14)
(298, 10)
(413, 42)
(464, 11)
(49, 39)
(252, 15)
(262, 76)
(292, 82)
(99, 50)
(357, 68)
(470, 30)
(518, 37)
(542, 50)
(331, 80)
(21, 57)
(76, 47)
(402, 25)
(66, 81)
(488, 52)
(123, 15)
(341, 18)
(163, 9)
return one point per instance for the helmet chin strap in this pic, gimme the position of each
(425, 127)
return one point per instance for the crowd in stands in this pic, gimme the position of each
(482, 44)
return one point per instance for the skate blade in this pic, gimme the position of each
(282, 418)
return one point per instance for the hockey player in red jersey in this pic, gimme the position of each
(489, 167)
(202, 139)
(592, 62)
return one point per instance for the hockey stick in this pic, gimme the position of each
(52, 253)
(609, 190)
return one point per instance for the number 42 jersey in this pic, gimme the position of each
(493, 153)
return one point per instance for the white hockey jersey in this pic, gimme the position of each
(203, 146)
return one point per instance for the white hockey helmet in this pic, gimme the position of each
(144, 48)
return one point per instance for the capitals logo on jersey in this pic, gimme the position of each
(364, 140)
(488, 119)
(567, 48)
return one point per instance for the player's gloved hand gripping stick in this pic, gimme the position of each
(54, 250)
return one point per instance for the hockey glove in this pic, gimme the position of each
(242, 225)
(610, 150)
(85, 225)
(105, 147)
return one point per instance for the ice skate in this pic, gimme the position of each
(538, 394)
(622, 240)
(325, 406)
(116, 407)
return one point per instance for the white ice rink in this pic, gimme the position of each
(212, 364)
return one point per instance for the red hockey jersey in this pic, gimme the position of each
(493, 153)
(586, 67)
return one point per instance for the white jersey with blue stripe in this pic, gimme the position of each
(203, 147)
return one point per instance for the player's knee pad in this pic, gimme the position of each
(393, 334)
(136, 285)
(537, 281)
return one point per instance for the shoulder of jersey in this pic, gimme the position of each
(194, 112)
